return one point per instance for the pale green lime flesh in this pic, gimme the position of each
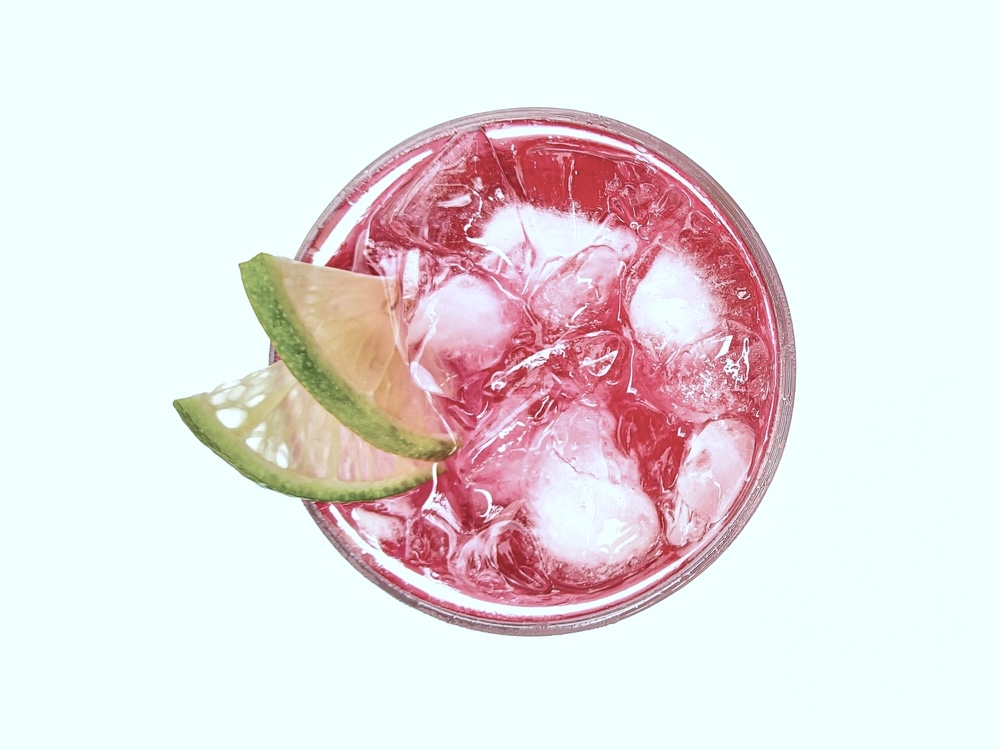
(271, 430)
(336, 331)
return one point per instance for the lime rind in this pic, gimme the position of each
(359, 405)
(271, 430)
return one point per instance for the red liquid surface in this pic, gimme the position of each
(604, 350)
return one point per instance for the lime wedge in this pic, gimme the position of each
(337, 333)
(272, 431)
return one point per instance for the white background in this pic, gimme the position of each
(152, 598)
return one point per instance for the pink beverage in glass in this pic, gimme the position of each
(605, 334)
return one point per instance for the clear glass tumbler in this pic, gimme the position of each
(607, 334)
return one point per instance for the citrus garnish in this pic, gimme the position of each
(337, 333)
(271, 430)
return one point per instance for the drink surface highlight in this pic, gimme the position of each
(604, 333)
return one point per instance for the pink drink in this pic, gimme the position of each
(606, 336)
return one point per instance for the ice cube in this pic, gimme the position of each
(518, 561)
(710, 478)
(503, 239)
(726, 374)
(582, 292)
(672, 305)
(503, 557)
(572, 367)
(588, 513)
(507, 437)
(383, 523)
(531, 243)
(442, 205)
(467, 321)
(403, 266)
(378, 528)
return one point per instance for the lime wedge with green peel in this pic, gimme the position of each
(337, 333)
(271, 430)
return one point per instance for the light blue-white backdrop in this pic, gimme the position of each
(152, 598)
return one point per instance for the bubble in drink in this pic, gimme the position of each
(606, 336)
